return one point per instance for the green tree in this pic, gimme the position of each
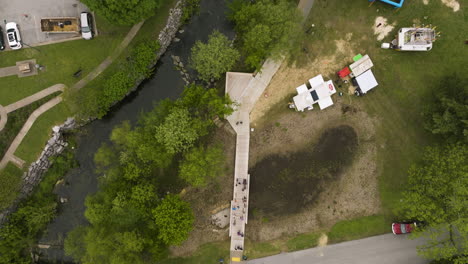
(179, 131)
(205, 104)
(266, 28)
(447, 115)
(123, 12)
(214, 58)
(437, 195)
(74, 245)
(174, 219)
(201, 165)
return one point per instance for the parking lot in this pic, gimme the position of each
(28, 13)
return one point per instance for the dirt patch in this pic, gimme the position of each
(382, 28)
(353, 194)
(452, 4)
(284, 184)
(323, 240)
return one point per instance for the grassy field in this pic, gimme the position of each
(405, 78)
(61, 60)
(10, 179)
(16, 121)
(40, 132)
(358, 228)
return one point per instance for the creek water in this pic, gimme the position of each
(166, 82)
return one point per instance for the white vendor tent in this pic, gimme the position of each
(366, 81)
(320, 93)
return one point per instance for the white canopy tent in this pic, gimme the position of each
(320, 93)
(366, 81)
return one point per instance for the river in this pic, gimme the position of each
(166, 82)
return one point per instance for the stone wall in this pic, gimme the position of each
(55, 146)
(170, 30)
(166, 36)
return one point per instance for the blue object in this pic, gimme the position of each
(395, 3)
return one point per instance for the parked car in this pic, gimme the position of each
(2, 41)
(399, 228)
(13, 35)
(86, 25)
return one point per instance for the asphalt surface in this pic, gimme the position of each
(384, 249)
(28, 13)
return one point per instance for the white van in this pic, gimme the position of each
(86, 25)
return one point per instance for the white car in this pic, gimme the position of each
(13, 35)
(86, 25)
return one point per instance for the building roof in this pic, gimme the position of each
(366, 81)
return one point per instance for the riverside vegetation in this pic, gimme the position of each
(132, 218)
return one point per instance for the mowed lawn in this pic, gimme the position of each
(60, 60)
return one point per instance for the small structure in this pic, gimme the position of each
(24, 68)
(320, 92)
(360, 66)
(361, 75)
(412, 39)
(60, 25)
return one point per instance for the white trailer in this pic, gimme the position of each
(413, 39)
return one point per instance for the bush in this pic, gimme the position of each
(190, 8)
(124, 12)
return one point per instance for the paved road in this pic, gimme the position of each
(384, 249)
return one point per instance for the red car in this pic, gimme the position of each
(403, 228)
